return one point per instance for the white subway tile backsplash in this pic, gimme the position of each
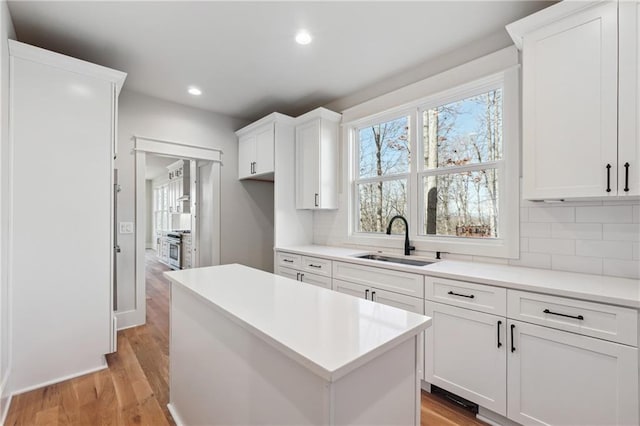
(605, 249)
(524, 214)
(533, 260)
(581, 231)
(605, 214)
(636, 251)
(540, 230)
(636, 214)
(587, 265)
(622, 268)
(552, 246)
(621, 231)
(552, 214)
(524, 244)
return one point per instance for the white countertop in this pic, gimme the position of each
(596, 288)
(328, 332)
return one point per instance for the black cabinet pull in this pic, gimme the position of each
(288, 260)
(608, 177)
(315, 266)
(499, 324)
(626, 177)
(373, 295)
(579, 317)
(513, 347)
(297, 276)
(316, 200)
(470, 296)
(366, 294)
(301, 276)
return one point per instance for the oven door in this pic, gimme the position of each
(174, 254)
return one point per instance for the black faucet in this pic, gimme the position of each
(407, 247)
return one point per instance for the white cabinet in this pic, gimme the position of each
(256, 152)
(465, 353)
(571, 147)
(561, 378)
(62, 126)
(317, 160)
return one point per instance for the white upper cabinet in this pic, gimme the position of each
(571, 147)
(317, 160)
(255, 152)
(629, 99)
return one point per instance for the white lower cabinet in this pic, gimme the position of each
(561, 378)
(305, 277)
(400, 301)
(465, 353)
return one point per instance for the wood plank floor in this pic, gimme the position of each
(134, 390)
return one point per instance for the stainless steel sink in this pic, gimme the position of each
(402, 260)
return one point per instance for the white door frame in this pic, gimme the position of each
(144, 146)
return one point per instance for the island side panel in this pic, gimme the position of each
(383, 391)
(222, 374)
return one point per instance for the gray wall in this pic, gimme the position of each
(6, 31)
(246, 207)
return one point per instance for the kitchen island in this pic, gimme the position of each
(250, 347)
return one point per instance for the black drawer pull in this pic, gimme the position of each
(373, 295)
(608, 177)
(470, 296)
(315, 266)
(316, 202)
(579, 317)
(499, 324)
(513, 346)
(288, 260)
(366, 294)
(626, 177)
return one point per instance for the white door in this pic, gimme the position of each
(246, 155)
(629, 99)
(265, 138)
(465, 353)
(561, 378)
(356, 290)
(570, 106)
(308, 165)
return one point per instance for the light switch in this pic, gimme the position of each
(126, 227)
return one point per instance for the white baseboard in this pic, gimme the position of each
(129, 319)
(102, 366)
(494, 419)
(175, 415)
(5, 400)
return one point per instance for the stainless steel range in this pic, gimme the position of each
(175, 251)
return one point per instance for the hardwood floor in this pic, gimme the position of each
(134, 390)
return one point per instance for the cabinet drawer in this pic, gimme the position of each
(479, 297)
(288, 272)
(400, 301)
(288, 259)
(316, 265)
(607, 322)
(384, 279)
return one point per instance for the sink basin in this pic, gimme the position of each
(402, 260)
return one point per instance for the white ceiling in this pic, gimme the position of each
(243, 55)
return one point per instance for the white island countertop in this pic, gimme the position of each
(328, 332)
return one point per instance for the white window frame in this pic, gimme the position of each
(506, 245)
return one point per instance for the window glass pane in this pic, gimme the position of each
(462, 204)
(384, 148)
(463, 132)
(379, 202)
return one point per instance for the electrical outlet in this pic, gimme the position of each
(126, 227)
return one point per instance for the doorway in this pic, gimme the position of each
(204, 203)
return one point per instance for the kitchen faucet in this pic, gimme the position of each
(407, 246)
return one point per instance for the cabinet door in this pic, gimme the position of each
(265, 137)
(560, 378)
(465, 353)
(246, 155)
(288, 272)
(570, 106)
(629, 99)
(315, 279)
(346, 287)
(400, 301)
(308, 165)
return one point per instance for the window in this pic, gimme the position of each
(462, 152)
(448, 163)
(384, 160)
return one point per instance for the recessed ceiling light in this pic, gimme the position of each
(303, 37)
(194, 91)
